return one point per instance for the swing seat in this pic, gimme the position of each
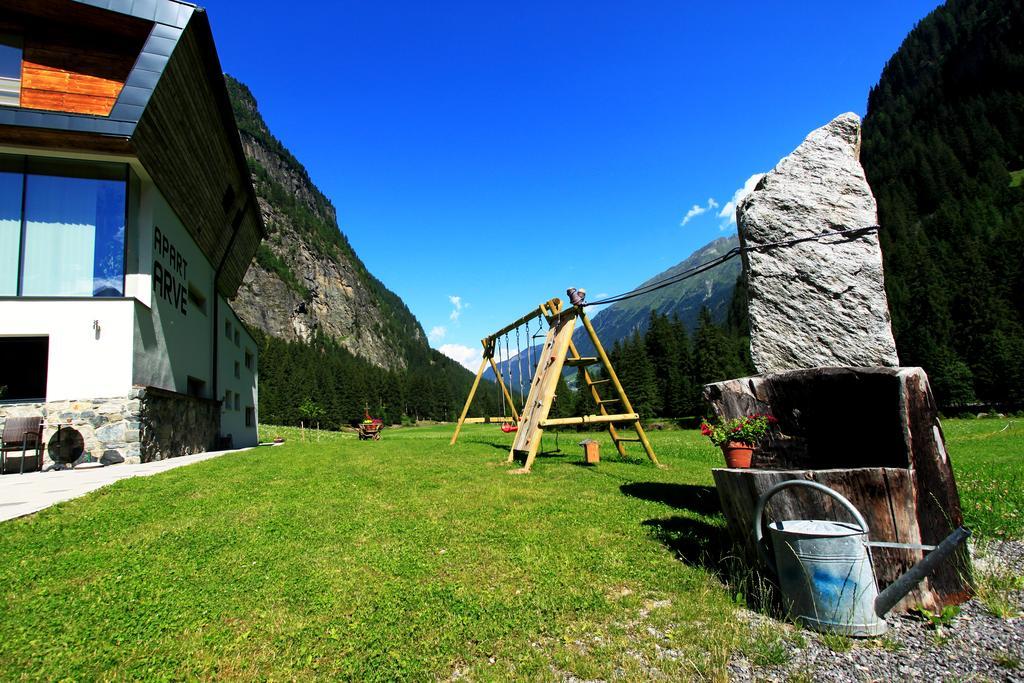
(509, 427)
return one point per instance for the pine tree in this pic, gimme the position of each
(943, 132)
(686, 397)
(662, 348)
(715, 356)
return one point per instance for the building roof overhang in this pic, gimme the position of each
(173, 113)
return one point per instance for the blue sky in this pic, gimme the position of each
(483, 156)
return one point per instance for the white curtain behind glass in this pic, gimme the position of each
(10, 232)
(60, 235)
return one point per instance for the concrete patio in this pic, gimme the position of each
(24, 494)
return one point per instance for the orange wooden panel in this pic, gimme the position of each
(42, 99)
(38, 78)
(88, 104)
(47, 88)
(65, 78)
(91, 85)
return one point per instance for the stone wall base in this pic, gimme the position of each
(148, 424)
(176, 424)
(109, 427)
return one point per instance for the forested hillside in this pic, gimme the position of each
(664, 369)
(334, 340)
(944, 153)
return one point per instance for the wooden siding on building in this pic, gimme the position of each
(188, 142)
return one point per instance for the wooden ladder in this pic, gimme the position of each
(558, 351)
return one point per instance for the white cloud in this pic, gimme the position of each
(728, 212)
(697, 210)
(437, 333)
(463, 355)
(457, 307)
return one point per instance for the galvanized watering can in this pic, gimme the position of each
(825, 571)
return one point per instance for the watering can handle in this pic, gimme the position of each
(763, 502)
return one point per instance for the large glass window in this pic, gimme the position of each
(10, 231)
(69, 239)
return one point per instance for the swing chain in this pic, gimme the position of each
(501, 396)
(519, 366)
(529, 354)
(508, 367)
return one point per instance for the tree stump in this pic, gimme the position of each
(873, 435)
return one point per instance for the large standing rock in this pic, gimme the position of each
(819, 302)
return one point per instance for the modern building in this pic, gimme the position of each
(127, 221)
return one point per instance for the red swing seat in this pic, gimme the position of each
(509, 427)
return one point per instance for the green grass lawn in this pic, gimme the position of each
(403, 559)
(988, 460)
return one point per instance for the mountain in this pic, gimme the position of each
(306, 278)
(943, 149)
(685, 299)
(334, 341)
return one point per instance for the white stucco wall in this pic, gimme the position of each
(83, 362)
(173, 337)
(244, 385)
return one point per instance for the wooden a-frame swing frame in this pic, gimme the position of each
(558, 351)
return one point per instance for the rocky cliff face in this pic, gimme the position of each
(305, 278)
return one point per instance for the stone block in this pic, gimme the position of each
(820, 302)
(111, 457)
(113, 432)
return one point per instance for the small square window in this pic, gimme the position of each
(194, 386)
(236, 338)
(250, 416)
(250, 360)
(238, 372)
(238, 401)
(227, 329)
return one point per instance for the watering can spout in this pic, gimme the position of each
(888, 598)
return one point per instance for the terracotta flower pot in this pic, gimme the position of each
(737, 454)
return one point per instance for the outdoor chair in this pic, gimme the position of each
(22, 436)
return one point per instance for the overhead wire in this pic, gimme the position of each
(693, 271)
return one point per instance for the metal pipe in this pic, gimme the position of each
(888, 598)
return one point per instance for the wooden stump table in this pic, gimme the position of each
(873, 435)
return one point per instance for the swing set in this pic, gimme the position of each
(545, 366)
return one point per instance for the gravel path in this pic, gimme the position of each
(976, 646)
